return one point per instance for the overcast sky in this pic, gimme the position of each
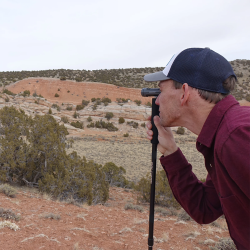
(112, 34)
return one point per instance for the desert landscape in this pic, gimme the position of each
(32, 220)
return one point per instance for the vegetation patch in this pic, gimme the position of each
(77, 124)
(224, 244)
(121, 120)
(133, 207)
(103, 125)
(6, 91)
(8, 214)
(133, 124)
(163, 193)
(109, 115)
(8, 190)
(51, 216)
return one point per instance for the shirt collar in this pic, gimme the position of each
(214, 119)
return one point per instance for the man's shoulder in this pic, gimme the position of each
(235, 117)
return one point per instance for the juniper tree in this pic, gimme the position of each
(13, 129)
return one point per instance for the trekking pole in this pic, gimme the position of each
(154, 141)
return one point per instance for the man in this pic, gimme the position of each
(195, 87)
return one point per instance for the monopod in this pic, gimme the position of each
(155, 111)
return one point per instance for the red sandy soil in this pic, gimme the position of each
(75, 92)
(98, 227)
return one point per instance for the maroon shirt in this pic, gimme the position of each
(225, 143)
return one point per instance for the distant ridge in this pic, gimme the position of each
(130, 78)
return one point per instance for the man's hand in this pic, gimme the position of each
(167, 143)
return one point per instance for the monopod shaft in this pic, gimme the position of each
(154, 141)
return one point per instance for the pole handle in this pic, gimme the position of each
(155, 111)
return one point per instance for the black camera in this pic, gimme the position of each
(150, 92)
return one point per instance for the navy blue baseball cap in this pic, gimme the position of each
(200, 68)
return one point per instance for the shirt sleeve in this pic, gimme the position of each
(235, 156)
(200, 200)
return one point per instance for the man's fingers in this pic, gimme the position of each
(157, 122)
(149, 125)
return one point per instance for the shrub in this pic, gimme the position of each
(56, 95)
(89, 119)
(109, 115)
(6, 91)
(85, 103)
(50, 111)
(106, 125)
(78, 79)
(121, 120)
(106, 101)
(143, 125)
(63, 78)
(138, 102)
(115, 175)
(64, 119)
(8, 190)
(94, 106)
(55, 106)
(133, 124)
(149, 104)
(248, 97)
(26, 93)
(93, 99)
(77, 124)
(163, 192)
(126, 135)
(76, 115)
(79, 107)
(69, 108)
(91, 125)
(180, 131)
(122, 100)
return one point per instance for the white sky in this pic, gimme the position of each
(112, 34)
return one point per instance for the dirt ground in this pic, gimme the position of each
(74, 92)
(47, 224)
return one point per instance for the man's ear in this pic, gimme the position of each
(185, 94)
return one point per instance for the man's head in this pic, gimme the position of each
(191, 84)
(202, 69)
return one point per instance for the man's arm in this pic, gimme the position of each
(200, 200)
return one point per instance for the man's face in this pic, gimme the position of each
(169, 104)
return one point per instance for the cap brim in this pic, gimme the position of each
(155, 77)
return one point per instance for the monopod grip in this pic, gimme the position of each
(155, 111)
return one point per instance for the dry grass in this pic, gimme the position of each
(8, 214)
(9, 224)
(224, 244)
(51, 216)
(126, 230)
(133, 207)
(184, 216)
(8, 190)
